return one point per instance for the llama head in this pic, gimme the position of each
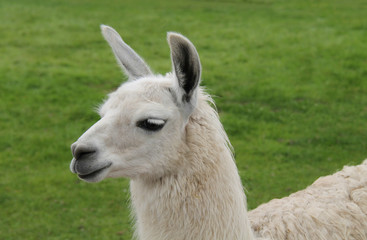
(142, 127)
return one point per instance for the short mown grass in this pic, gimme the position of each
(289, 79)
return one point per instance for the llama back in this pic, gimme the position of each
(333, 207)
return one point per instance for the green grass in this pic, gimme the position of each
(290, 81)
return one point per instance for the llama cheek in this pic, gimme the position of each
(129, 167)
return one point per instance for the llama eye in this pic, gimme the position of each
(151, 124)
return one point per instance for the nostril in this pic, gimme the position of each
(73, 146)
(81, 151)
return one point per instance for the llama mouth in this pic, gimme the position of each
(92, 175)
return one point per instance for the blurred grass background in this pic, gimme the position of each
(289, 80)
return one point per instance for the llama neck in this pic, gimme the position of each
(203, 201)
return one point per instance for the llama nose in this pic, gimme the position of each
(80, 151)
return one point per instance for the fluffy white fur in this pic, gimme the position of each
(333, 207)
(163, 133)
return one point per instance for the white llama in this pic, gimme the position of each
(162, 133)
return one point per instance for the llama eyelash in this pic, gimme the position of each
(151, 124)
(156, 121)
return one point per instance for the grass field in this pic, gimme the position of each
(290, 80)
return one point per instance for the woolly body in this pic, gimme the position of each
(333, 207)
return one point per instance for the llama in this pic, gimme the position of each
(163, 134)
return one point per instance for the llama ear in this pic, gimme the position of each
(132, 64)
(186, 65)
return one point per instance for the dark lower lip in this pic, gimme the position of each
(95, 173)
